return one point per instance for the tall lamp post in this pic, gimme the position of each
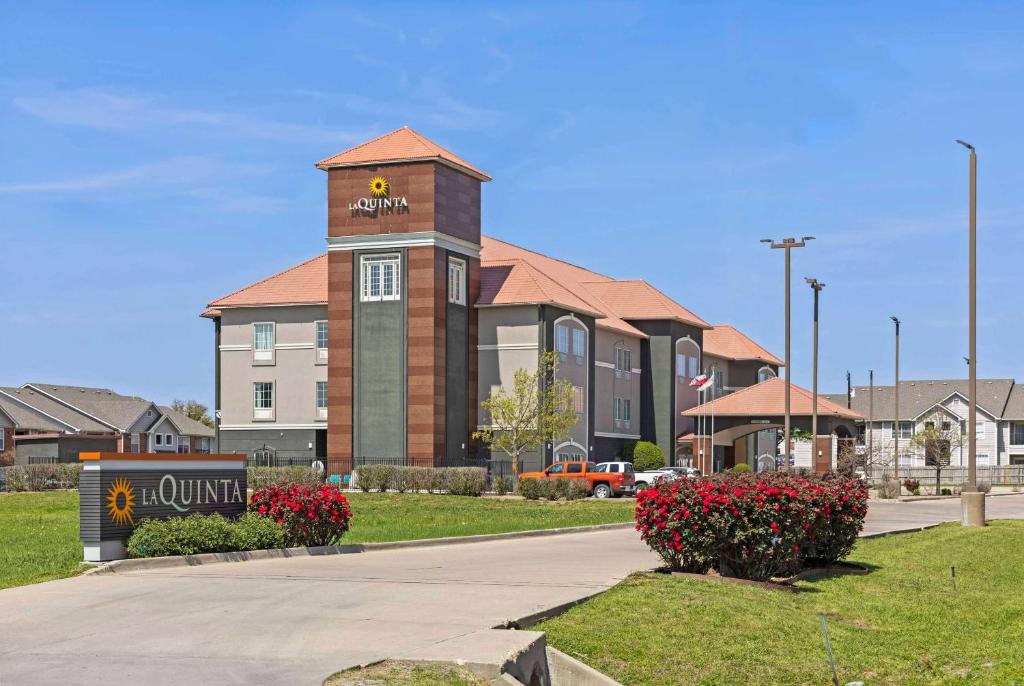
(896, 418)
(817, 287)
(972, 502)
(787, 244)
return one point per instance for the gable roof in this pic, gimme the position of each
(729, 343)
(185, 424)
(303, 284)
(113, 410)
(1015, 403)
(919, 395)
(57, 416)
(516, 282)
(603, 294)
(768, 398)
(401, 145)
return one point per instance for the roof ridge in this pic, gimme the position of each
(363, 144)
(553, 259)
(265, 279)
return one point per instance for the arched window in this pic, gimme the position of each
(765, 373)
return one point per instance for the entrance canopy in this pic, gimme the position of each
(767, 400)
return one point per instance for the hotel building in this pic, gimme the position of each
(384, 346)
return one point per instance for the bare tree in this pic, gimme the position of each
(937, 439)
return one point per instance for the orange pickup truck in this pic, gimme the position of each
(601, 482)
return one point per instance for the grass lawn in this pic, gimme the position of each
(901, 624)
(391, 673)
(38, 537)
(39, 531)
(379, 517)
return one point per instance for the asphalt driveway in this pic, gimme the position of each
(296, 621)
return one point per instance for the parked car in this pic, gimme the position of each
(601, 483)
(655, 477)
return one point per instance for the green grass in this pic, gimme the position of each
(380, 517)
(901, 624)
(39, 531)
(391, 673)
(38, 537)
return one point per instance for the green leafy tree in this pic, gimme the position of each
(537, 409)
(647, 456)
(938, 437)
(193, 409)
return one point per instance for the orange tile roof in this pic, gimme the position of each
(509, 275)
(768, 399)
(401, 145)
(730, 343)
(640, 300)
(304, 283)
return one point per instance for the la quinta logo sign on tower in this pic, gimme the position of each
(380, 201)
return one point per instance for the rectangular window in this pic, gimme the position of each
(886, 429)
(1016, 433)
(623, 360)
(321, 340)
(906, 430)
(263, 341)
(321, 400)
(982, 459)
(562, 338)
(694, 366)
(136, 442)
(381, 275)
(3, 436)
(627, 413)
(168, 440)
(579, 399)
(183, 446)
(579, 343)
(159, 439)
(946, 426)
(456, 281)
(263, 400)
(979, 429)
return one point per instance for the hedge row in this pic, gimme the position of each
(261, 477)
(198, 533)
(41, 477)
(553, 489)
(470, 481)
(752, 526)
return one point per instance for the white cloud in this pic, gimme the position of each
(177, 171)
(106, 109)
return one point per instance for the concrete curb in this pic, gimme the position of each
(146, 563)
(908, 530)
(568, 670)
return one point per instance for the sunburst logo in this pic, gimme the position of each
(121, 501)
(379, 186)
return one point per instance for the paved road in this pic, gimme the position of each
(296, 621)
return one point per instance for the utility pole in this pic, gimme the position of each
(871, 413)
(787, 244)
(817, 287)
(972, 502)
(849, 390)
(896, 418)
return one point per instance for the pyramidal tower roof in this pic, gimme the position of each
(401, 145)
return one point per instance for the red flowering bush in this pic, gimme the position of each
(751, 526)
(312, 514)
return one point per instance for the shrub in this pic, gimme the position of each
(418, 478)
(742, 467)
(577, 490)
(191, 535)
(888, 487)
(375, 477)
(751, 526)
(532, 489)
(312, 514)
(260, 477)
(647, 456)
(253, 532)
(912, 485)
(559, 488)
(947, 491)
(470, 481)
(42, 477)
(502, 485)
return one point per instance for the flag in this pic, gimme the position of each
(699, 380)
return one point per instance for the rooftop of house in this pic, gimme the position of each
(767, 399)
(729, 343)
(400, 145)
(35, 411)
(111, 409)
(1001, 398)
(186, 425)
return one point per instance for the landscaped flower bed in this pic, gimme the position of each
(311, 514)
(752, 526)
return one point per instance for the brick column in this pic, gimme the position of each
(339, 361)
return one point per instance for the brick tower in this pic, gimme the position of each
(403, 241)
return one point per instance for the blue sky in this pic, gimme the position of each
(154, 158)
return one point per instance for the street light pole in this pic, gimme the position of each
(787, 244)
(871, 415)
(973, 503)
(817, 287)
(896, 422)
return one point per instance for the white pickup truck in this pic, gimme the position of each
(656, 476)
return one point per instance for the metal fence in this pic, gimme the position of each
(339, 466)
(1003, 474)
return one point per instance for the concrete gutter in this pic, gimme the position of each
(145, 563)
